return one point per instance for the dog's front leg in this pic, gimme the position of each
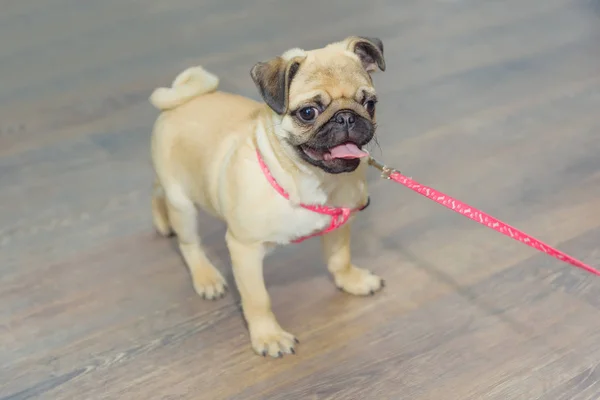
(349, 278)
(266, 334)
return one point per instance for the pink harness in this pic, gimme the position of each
(339, 215)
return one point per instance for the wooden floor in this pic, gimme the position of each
(494, 102)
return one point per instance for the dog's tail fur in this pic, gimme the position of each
(191, 83)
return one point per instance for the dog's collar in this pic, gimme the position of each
(339, 215)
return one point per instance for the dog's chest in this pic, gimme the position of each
(297, 222)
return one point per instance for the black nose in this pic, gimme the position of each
(345, 118)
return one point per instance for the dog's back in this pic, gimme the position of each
(197, 128)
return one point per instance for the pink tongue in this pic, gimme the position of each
(347, 150)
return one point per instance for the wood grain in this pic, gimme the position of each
(495, 103)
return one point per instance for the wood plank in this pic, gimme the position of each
(492, 102)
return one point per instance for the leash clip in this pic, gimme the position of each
(386, 172)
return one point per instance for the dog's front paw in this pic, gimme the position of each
(358, 281)
(269, 339)
(209, 283)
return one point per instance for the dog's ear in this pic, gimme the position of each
(369, 50)
(273, 79)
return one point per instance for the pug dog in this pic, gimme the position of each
(276, 171)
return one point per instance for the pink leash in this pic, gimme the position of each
(478, 216)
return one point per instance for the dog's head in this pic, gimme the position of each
(325, 99)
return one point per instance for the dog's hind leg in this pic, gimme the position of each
(160, 215)
(207, 280)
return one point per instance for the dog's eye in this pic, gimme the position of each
(370, 106)
(308, 114)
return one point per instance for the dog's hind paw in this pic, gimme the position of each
(209, 283)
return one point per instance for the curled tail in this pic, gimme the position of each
(191, 83)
